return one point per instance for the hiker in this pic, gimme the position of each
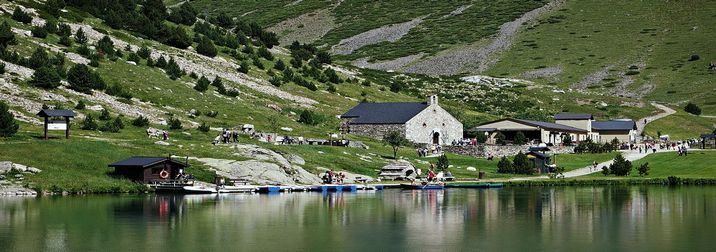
(594, 166)
(236, 136)
(165, 135)
(330, 176)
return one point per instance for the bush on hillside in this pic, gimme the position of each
(263, 52)
(104, 115)
(38, 59)
(80, 105)
(692, 109)
(119, 91)
(88, 123)
(64, 30)
(206, 47)
(8, 126)
(45, 77)
(308, 117)
(174, 123)
(332, 76)
(202, 84)
(54, 7)
(105, 46)
(643, 169)
(83, 79)
(161, 62)
(185, 14)
(279, 65)
(323, 57)
(21, 16)
(203, 127)
(65, 41)
(257, 62)
(140, 121)
(395, 87)
(276, 81)
(443, 163)
(244, 67)
(7, 37)
(144, 52)
(80, 37)
(179, 38)
(39, 32)
(173, 69)
(134, 58)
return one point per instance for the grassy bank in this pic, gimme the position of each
(681, 126)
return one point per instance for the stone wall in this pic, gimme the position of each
(483, 151)
(433, 119)
(376, 131)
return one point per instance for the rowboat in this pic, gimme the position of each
(199, 189)
(481, 185)
(237, 189)
(422, 187)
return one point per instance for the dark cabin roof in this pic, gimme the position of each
(573, 116)
(56, 112)
(144, 162)
(550, 126)
(624, 125)
(709, 136)
(384, 113)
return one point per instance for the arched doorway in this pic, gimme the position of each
(436, 138)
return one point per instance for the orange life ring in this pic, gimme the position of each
(164, 174)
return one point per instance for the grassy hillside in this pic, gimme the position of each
(698, 164)
(681, 125)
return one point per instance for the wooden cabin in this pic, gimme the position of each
(149, 169)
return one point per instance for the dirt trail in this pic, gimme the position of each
(641, 123)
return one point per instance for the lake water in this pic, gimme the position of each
(641, 218)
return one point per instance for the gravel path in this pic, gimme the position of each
(306, 28)
(628, 155)
(641, 123)
(479, 59)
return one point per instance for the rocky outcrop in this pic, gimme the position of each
(11, 177)
(260, 172)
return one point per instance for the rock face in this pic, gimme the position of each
(12, 186)
(260, 172)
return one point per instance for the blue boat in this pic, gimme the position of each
(268, 189)
(422, 187)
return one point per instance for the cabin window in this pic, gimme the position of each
(156, 170)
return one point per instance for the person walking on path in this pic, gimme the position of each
(594, 166)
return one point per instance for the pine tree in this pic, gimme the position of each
(89, 123)
(45, 77)
(140, 121)
(64, 30)
(104, 115)
(7, 37)
(521, 164)
(144, 52)
(21, 16)
(106, 46)
(83, 79)
(8, 126)
(504, 166)
(244, 67)
(173, 69)
(39, 59)
(80, 37)
(54, 7)
(279, 65)
(161, 62)
(65, 41)
(620, 166)
(179, 38)
(265, 53)
(39, 32)
(80, 105)
(206, 47)
(202, 85)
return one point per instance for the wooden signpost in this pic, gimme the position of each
(57, 124)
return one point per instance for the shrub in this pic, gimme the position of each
(276, 81)
(80, 37)
(8, 126)
(504, 166)
(161, 62)
(179, 38)
(692, 109)
(45, 77)
(394, 139)
(89, 123)
(39, 32)
(212, 114)
(173, 69)
(395, 87)
(134, 57)
(203, 127)
(140, 121)
(287, 75)
(104, 115)
(144, 52)
(106, 46)
(257, 62)
(7, 37)
(21, 16)
(520, 138)
(202, 84)
(80, 105)
(331, 88)
(643, 169)
(605, 171)
(443, 163)
(54, 6)
(65, 41)
(567, 140)
(64, 30)
(279, 65)
(39, 58)
(323, 57)
(263, 52)
(82, 79)
(620, 166)
(521, 164)
(206, 47)
(694, 57)
(110, 126)
(332, 76)
(308, 117)
(119, 91)
(244, 67)
(365, 83)
(174, 124)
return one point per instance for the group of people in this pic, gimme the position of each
(433, 149)
(331, 177)
(226, 137)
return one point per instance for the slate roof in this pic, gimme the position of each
(538, 148)
(56, 112)
(384, 113)
(616, 125)
(143, 162)
(550, 126)
(573, 116)
(708, 136)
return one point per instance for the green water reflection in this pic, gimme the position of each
(649, 218)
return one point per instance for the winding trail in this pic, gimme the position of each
(641, 123)
(628, 155)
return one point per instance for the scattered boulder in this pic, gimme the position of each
(357, 144)
(95, 108)
(258, 153)
(162, 143)
(471, 168)
(5, 167)
(33, 170)
(19, 168)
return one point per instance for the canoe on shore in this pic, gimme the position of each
(422, 187)
(199, 189)
(225, 189)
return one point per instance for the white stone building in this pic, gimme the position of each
(420, 122)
